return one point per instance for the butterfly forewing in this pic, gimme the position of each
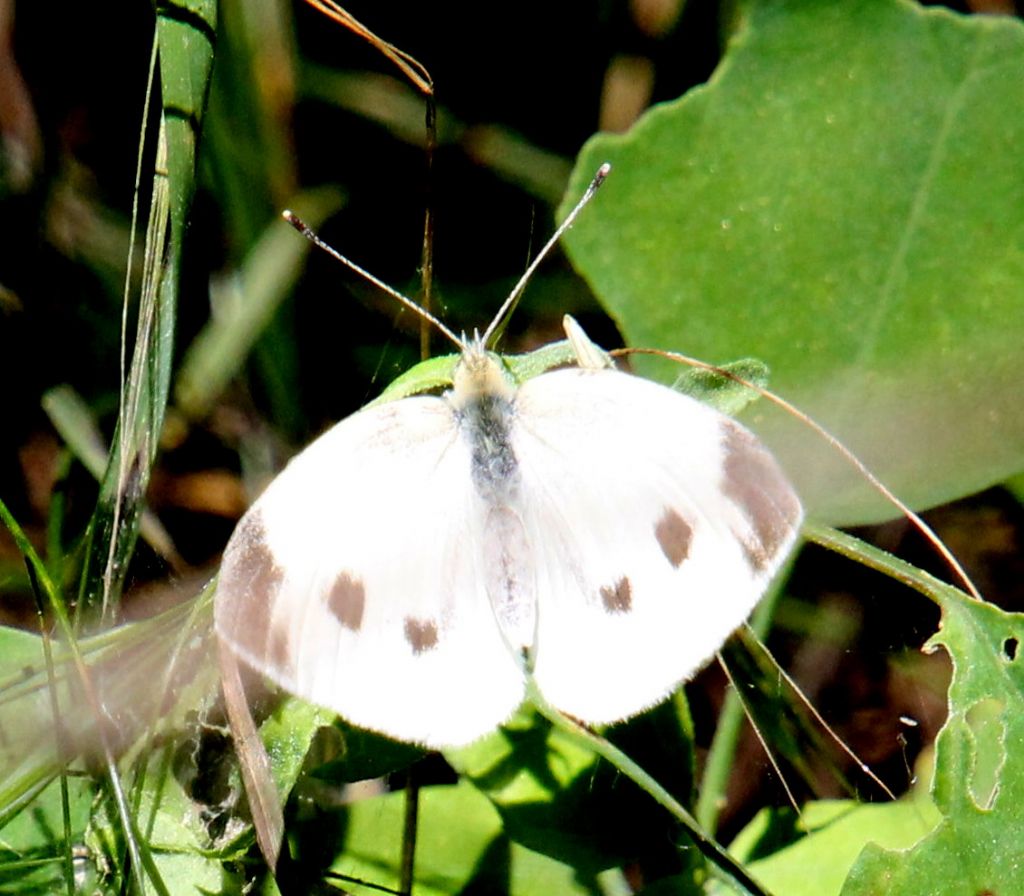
(353, 581)
(657, 523)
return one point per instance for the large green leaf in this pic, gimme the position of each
(845, 200)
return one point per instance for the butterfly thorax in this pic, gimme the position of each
(482, 399)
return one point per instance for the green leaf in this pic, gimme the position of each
(558, 797)
(726, 388)
(539, 780)
(171, 828)
(779, 712)
(459, 848)
(37, 836)
(830, 836)
(844, 199)
(524, 367)
(347, 754)
(287, 735)
(427, 376)
(186, 33)
(979, 767)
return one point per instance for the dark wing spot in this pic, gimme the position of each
(618, 598)
(753, 481)
(250, 580)
(421, 634)
(674, 535)
(346, 601)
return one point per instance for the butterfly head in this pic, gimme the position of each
(479, 373)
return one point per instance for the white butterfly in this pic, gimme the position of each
(589, 528)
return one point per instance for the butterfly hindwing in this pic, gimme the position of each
(353, 580)
(657, 525)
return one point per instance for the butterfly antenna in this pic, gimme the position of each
(498, 324)
(311, 235)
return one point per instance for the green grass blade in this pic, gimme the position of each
(185, 44)
(76, 424)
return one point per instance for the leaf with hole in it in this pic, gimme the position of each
(845, 200)
(979, 767)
